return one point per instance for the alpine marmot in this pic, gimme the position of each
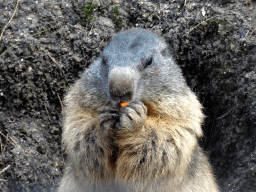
(150, 145)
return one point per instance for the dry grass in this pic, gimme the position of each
(16, 8)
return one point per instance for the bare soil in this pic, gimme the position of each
(48, 44)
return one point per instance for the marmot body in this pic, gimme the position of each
(148, 146)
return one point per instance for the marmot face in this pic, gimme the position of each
(135, 66)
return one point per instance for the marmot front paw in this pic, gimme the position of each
(133, 116)
(108, 117)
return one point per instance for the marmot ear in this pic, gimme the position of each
(104, 61)
(164, 52)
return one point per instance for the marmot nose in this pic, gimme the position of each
(121, 86)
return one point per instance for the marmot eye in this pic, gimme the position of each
(148, 62)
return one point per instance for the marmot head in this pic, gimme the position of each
(135, 66)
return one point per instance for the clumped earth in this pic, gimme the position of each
(48, 44)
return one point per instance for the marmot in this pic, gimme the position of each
(150, 145)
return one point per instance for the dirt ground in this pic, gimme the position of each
(48, 44)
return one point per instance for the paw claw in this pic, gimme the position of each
(133, 115)
(108, 117)
(108, 109)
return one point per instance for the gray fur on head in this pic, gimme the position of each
(140, 62)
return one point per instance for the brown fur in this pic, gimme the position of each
(149, 145)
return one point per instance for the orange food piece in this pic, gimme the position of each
(123, 104)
